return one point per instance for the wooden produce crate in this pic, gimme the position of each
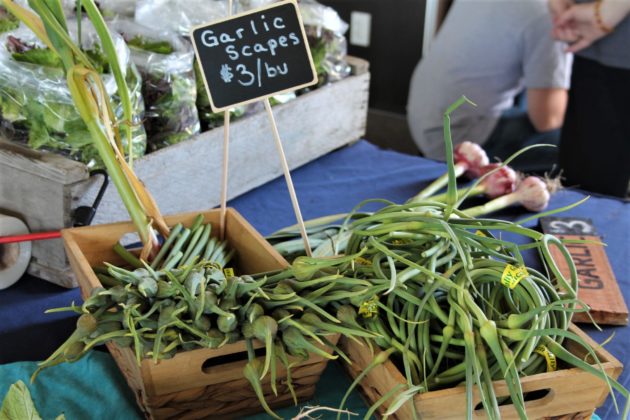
(44, 188)
(199, 383)
(572, 393)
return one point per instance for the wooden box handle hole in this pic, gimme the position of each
(538, 397)
(220, 362)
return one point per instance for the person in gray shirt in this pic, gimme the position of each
(491, 51)
(595, 140)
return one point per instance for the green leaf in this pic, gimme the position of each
(18, 405)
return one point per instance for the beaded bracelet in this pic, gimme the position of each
(598, 18)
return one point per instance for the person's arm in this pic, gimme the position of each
(546, 74)
(546, 108)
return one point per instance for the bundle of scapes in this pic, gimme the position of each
(453, 303)
(187, 297)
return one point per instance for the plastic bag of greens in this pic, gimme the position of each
(325, 32)
(36, 107)
(8, 22)
(165, 62)
(179, 16)
(209, 119)
(110, 9)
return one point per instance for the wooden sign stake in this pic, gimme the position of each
(287, 177)
(252, 56)
(226, 156)
(224, 176)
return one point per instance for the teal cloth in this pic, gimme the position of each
(94, 388)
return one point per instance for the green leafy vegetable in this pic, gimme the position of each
(40, 56)
(18, 404)
(168, 83)
(207, 117)
(8, 22)
(36, 107)
(159, 47)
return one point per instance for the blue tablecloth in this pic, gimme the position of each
(332, 184)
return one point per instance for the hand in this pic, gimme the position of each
(578, 24)
(556, 7)
(564, 33)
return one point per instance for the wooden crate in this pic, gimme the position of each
(204, 382)
(572, 394)
(45, 188)
(186, 387)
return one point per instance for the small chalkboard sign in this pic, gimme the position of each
(254, 55)
(568, 226)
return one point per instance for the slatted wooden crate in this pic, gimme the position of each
(199, 383)
(45, 188)
(189, 386)
(572, 393)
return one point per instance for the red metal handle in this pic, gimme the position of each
(29, 237)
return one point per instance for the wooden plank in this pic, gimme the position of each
(193, 167)
(42, 203)
(130, 370)
(255, 254)
(571, 390)
(45, 165)
(185, 370)
(231, 409)
(378, 381)
(584, 415)
(598, 287)
(358, 65)
(63, 276)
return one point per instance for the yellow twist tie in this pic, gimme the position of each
(512, 275)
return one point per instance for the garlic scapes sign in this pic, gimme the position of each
(254, 55)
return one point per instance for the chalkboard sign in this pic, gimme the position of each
(568, 226)
(254, 55)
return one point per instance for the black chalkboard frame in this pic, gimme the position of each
(266, 96)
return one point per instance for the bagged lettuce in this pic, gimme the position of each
(209, 119)
(180, 17)
(165, 62)
(177, 15)
(36, 107)
(110, 9)
(8, 22)
(325, 33)
(324, 28)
